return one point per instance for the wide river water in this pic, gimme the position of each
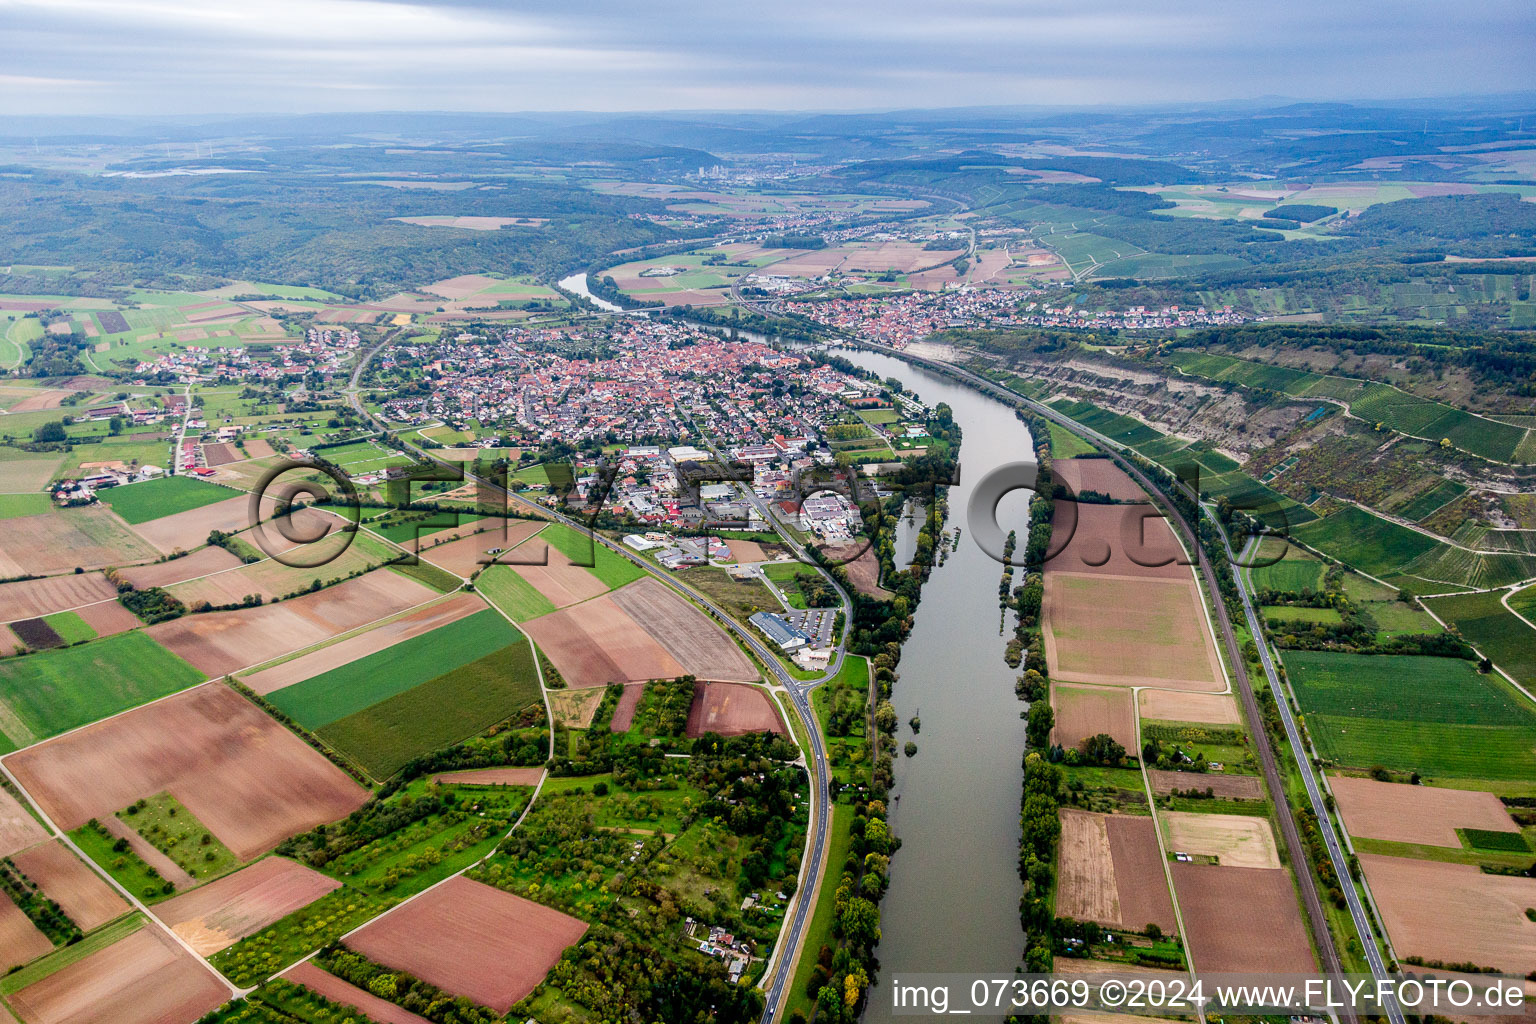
(953, 902)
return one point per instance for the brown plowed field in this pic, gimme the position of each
(258, 449)
(1226, 787)
(1454, 912)
(462, 557)
(1416, 814)
(1236, 840)
(1128, 631)
(862, 566)
(163, 574)
(31, 598)
(1100, 539)
(1100, 475)
(472, 940)
(746, 551)
(108, 618)
(412, 624)
(221, 454)
(220, 642)
(39, 401)
(337, 991)
(251, 782)
(219, 914)
(20, 939)
(18, 829)
(560, 581)
(9, 641)
(1242, 919)
(143, 979)
(624, 711)
(596, 643)
(87, 538)
(701, 647)
(64, 878)
(1084, 711)
(186, 530)
(732, 709)
(1139, 874)
(1201, 708)
(494, 777)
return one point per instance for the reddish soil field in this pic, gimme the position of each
(40, 401)
(494, 777)
(412, 624)
(1416, 814)
(1084, 711)
(624, 711)
(1124, 630)
(1100, 539)
(1139, 876)
(1242, 919)
(221, 454)
(163, 574)
(746, 551)
(64, 878)
(472, 940)
(337, 991)
(31, 598)
(1226, 787)
(701, 647)
(463, 557)
(108, 618)
(732, 709)
(18, 829)
(596, 643)
(186, 530)
(219, 914)
(1201, 708)
(1100, 475)
(251, 782)
(1454, 912)
(20, 940)
(221, 642)
(87, 538)
(143, 979)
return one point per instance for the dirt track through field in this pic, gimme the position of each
(251, 782)
(703, 649)
(219, 914)
(471, 939)
(66, 880)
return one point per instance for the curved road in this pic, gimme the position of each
(783, 960)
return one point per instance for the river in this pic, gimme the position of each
(953, 902)
(578, 283)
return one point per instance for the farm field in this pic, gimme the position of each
(1202, 708)
(1416, 814)
(65, 879)
(1458, 723)
(90, 538)
(1235, 840)
(347, 689)
(189, 529)
(473, 940)
(1099, 475)
(215, 916)
(732, 709)
(340, 554)
(469, 554)
(1111, 872)
(51, 692)
(1369, 543)
(703, 648)
(1221, 785)
(1084, 711)
(218, 643)
(144, 978)
(372, 1008)
(18, 829)
(20, 939)
(492, 777)
(439, 712)
(155, 499)
(1454, 912)
(1267, 936)
(1490, 627)
(603, 562)
(164, 574)
(1098, 539)
(508, 590)
(1121, 630)
(249, 781)
(27, 599)
(596, 643)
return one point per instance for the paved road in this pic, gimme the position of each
(783, 964)
(1318, 919)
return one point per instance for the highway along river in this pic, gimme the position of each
(953, 902)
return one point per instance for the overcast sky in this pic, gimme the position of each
(216, 56)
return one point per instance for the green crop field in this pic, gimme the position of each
(503, 587)
(70, 627)
(357, 685)
(612, 568)
(1112, 425)
(1492, 629)
(1487, 839)
(1295, 571)
(403, 527)
(1289, 614)
(438, 713)
(54, 691)
(1369, 543)
(152, 499)
(1524, 601)
(31, 504)
(1438, 716)
(1066, 445)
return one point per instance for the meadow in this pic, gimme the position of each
(503, 587)
(1490, 627)
(152, 499)
(1437, 716)
(1295, 571)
